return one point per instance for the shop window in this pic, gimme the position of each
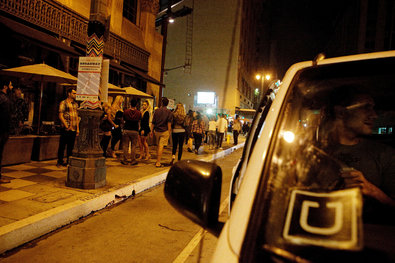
(130, 10)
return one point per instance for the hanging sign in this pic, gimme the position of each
(89, 72)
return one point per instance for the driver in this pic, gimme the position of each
(368, 165)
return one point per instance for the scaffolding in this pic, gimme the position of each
(188, 43)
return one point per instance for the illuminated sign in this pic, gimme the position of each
(206, 97)
(325, 219)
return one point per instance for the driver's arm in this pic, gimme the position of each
(355, 178)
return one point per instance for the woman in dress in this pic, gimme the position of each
(117, 115)
(144, 131)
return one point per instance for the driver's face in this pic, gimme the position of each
(360, 115)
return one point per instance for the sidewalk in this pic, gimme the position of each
(37, 201)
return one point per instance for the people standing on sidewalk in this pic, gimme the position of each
(178, 131)
(144, 131)
(222, 125)
(161, 125)
(236, 129)
(69, 121)
(212, 126)
(5, 122)
(130, 133)
(117, 116)
(198, 131)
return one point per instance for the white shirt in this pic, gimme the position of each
(212, 125)
(222, 124)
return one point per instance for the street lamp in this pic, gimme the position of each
(260, 91)
(262, 79)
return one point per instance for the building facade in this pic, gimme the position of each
(55, 32)
(208, 64)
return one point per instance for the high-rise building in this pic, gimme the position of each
(202, 56)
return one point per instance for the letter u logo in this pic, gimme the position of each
(335, 228)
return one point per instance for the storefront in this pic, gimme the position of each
(26, 43)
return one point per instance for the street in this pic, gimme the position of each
(141, 229)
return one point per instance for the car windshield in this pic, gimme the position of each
(330, 181)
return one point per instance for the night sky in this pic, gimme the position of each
(301, 28)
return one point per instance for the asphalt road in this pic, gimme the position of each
(141, 229)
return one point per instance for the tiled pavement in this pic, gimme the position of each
(41, 184)
(38, 201)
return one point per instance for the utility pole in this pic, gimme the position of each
(163, 21)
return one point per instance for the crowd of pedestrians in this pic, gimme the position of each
(132, 126)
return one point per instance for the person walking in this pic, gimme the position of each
(69, 121)
(130, 133)
(161, 126)
(206, 121)
(212, 126)
(178, 131)
(236, 129)
(188, 130)
(5, 120)
(144, 131)
(222, 125)
(198, 131)
(117, 116)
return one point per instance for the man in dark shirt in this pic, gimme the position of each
(370, 165)
(5, 119)
(130, 132)
(161, 125)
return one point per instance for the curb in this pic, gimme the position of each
(28, 229)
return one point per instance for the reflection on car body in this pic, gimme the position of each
(316, 181)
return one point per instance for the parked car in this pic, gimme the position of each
(316, 181)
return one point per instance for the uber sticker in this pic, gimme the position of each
(325, 219)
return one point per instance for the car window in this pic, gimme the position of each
(253, 135)
(330, 180)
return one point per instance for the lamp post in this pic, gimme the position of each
(87, 167)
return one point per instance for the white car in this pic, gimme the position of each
(316, 181)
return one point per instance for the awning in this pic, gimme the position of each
(127, 91)
(40, 38)
(137, 93)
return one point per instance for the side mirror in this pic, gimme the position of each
(194, 189)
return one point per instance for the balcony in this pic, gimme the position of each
(65, 23)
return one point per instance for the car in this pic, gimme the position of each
(316, 180)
